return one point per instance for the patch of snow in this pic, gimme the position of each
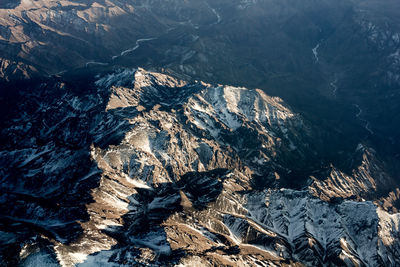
(117, 78)
(388, 225)
(39, 259)
(160, 202)
(78, 257)
(100, 259)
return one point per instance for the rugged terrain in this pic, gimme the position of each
(144, 168)
(341, 56)
(105, 163)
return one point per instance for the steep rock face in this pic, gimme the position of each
(172, 172)
(367, 181)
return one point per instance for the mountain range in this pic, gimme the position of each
(209, 133)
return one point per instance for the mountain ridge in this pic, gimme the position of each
(213, 163)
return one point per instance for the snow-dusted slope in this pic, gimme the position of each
(179, 173)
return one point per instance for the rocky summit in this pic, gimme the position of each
(142, 168)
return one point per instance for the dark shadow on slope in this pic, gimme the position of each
(47, 129)
(9, 4)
